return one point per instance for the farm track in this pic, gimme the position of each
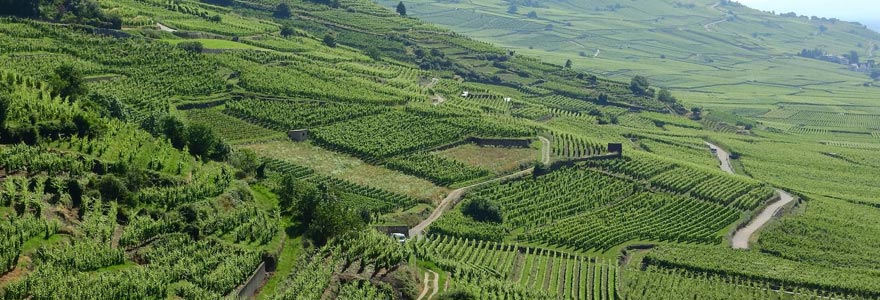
(165, 28)
(434, 287)
(741, 237)
(456, 195)
(715, 7)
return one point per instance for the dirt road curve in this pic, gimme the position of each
(165, 28)
(435, 285)
(456, 195)
(742, 236)
(715, 7)
(723, 156)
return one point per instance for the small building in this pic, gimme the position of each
(615, 148)
(465, 94)
(298, 135)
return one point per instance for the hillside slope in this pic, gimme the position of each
(706, 47)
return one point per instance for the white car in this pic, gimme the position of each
(400, 237)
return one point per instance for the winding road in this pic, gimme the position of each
(456, 195)
(715, 7)
(741, 237)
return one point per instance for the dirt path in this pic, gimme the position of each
(424, 288)
(456, 195)
(545, 150)
(436, 284)
(715, 7)
(723, 156)
(165, 28)
(434, 287)
(741, 237)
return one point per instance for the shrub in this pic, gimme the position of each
(483, 210)
(193, 46)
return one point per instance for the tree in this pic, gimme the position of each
(287, 30)
(202, 141)
(874, 74)
(88, 125)
(246, 160)
(483, 210)
(332, 218)
(216, 18)
(174, 130)
(512, 9)
(282, 11)
(639, 85)
(298, 198)
(532, 15)
(696, 113)
(666, 96)
(112, 188)
(67, 82)
(568, 64)
(823, 28)
(401, 9)
(603, 98)
(330, 40)
(373, 52)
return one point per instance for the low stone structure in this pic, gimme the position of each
(298, 135)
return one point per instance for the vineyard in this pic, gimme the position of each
(144, 155)
(438, 169)
(531, 272)
(287, 115)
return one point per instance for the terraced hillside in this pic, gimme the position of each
(718, 53)
(260, 149)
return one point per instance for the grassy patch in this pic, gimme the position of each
(349, 168)
(286, 263)
(496, 160)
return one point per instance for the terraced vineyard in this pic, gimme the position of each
(286, 115)
(230, 128)
(534, 272)
(144, 155)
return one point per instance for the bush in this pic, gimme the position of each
(330, 40)
(639, 85)
(193, 46)
(287, 31)
(483, 210)
(112, 188)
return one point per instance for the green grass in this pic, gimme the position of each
(286, 263)
(495, 159)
